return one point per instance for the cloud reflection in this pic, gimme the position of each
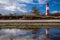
(12, 32)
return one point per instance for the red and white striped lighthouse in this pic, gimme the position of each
(47, 8)
(47, 33)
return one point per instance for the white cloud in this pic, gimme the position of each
(3, 1)
(42, 1)
(55, 11)
(26, 1)
(11, 8)
(16, 5)
(21, 7)
(12, 5)
(22, 10)
(31, 1)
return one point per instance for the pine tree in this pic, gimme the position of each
(35, 11)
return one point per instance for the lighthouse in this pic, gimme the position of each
(47, 13)
(47, 8)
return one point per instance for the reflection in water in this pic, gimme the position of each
(54, 34)
(18, 34)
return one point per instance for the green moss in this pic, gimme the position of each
(29, 26)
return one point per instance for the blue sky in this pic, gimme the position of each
(25, 6)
